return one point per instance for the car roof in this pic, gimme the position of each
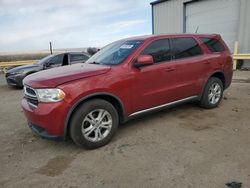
(85, 53)
(145, 37)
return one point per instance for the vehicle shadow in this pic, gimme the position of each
(5, 87)
(136, 123)
(177, 110)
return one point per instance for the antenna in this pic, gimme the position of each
(196, 31)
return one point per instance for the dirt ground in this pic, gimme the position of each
(183, 147)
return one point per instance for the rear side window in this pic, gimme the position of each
(78, 57)
(212, 44)
(185, 47)
(160, 50)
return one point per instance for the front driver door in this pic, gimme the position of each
(155, 84)
(56, 61)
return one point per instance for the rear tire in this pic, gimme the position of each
(212, 94)
(94, 124)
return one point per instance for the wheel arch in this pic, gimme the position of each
(219, 75)
(114, 100)
(216, 74)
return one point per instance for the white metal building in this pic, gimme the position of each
(229, 18)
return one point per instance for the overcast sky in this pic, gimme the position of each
(31, 24)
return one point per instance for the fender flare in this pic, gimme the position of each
(204, 85)
(70, 112)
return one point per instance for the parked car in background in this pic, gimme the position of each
(125, 79)
(15, 76)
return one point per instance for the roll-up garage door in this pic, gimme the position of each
(214, 16)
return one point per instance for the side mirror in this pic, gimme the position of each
(144, 60)
(46, 65)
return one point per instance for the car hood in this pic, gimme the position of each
(24, 68)
(57, 76)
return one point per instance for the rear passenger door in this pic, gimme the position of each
(188, 58)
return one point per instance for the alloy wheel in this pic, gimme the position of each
(214, 93)
(97, 125)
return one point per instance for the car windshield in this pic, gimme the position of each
(44, 60)
(115, 53)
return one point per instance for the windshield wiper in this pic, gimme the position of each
(94, 62)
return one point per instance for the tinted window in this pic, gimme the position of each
(160, 50)
(45, 59)
(57, 60)
(185, 47)
(213, 44)
(78, 57)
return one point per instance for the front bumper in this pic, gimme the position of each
(47, 119)
(15, 80)
(43, 133)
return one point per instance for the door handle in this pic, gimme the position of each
(169, 69)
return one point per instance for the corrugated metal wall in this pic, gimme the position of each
(244, 27)
(168, 17)
(214, 16)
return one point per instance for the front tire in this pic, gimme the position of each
(212, 94)
(94, 124)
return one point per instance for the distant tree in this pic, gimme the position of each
(92, 50)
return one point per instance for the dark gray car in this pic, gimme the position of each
(15, 76)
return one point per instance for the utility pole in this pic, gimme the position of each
(50, 47)
(196, 31)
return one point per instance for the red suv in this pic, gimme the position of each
(124, 79)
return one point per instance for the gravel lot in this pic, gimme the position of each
(181, 147)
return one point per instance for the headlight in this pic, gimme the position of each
(16, 73)
(50, 95)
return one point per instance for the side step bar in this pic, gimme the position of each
(164, 105)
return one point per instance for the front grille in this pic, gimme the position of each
(31, 96)
(33, 102)
(30, 92)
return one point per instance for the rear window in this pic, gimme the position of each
(212, 44)
(185, 47)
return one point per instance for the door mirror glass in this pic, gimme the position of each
(144, 60)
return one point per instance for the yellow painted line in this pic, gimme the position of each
(16, 63)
